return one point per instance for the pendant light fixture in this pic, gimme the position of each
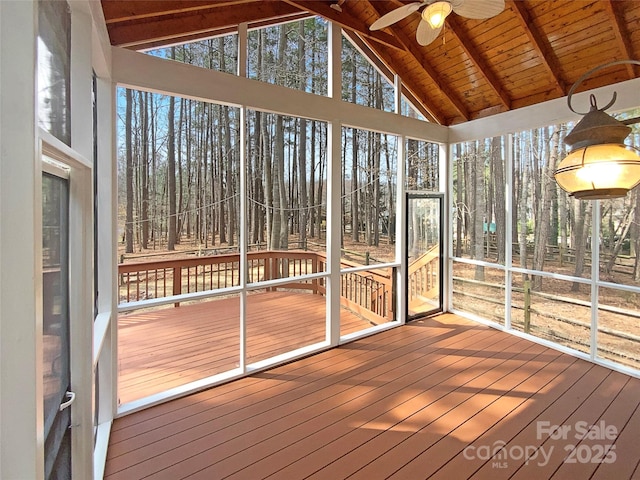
(600, 165)
(436, 13)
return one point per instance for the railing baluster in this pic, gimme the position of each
(369, 290)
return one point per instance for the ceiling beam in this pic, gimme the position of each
(118, 11)
(187, 37)
(544, 51)
(619, 30)
(197, 24)
(412, 48)
(388, 73)
(456, 29)
(346, 20)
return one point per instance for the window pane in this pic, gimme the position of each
(479, 199)
(292, 55)
(552, 309)
(54, 69)
(619, 326)
(479, 290)
(366, 299)
(620, 239)
(407, 109)
(171, 346)
(552, 228)
(369, 165)
(422, 165)
(362, 83)
(178, 177)
(284, 318)
(56, 340)
(220, 53)
(287, 183)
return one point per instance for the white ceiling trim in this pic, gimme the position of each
(145, 72)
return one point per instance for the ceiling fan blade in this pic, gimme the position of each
(425, 34)
(478, 8)
(395, 15)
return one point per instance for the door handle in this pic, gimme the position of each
(71, 396)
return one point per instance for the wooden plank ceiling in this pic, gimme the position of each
(531, 52)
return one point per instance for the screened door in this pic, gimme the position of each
(55, 327)
(424, 254)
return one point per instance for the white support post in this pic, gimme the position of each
(445, 185)
(81, 79)
(401, 241)
(595, 276)
(401, 217)
(333, 232)
(81, 318)
(105, 348)
(21, 400)
(334, 135)
(447, 301)
(508, 233)
(242, 72)
(81, 260)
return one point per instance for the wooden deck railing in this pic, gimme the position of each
(368, 293)
(424, 275)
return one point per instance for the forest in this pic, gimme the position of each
(554, 229)
(179, 172)
(179, 159)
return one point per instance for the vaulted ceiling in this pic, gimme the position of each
(531, 52)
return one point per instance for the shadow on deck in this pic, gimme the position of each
(443, 398)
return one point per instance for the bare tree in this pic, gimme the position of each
(582, 217)
(499, 196)
(478, 209)
(543, 213)
(171, 169)
(129, 173)
(302, 147)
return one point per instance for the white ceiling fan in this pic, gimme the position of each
(433, 16)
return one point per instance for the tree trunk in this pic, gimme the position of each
(543, 214)
(144, 171)
(625, 225)
(499, 182)
(302, 145)
(355, 204)
(128, 230)
(312, 183)
(582, 222)
(171, 167)
(522, 210)
(459, 201)
(479, 210)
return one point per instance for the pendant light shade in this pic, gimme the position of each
(600, 165)
(599, 172)
(436, 13)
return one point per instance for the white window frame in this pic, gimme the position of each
(79, 175)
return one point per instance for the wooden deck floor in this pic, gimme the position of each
(166, 348)
(428, 400)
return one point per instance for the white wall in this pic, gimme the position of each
(20, 259)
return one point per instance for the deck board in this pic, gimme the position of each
(169, 347)
(404, 403)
